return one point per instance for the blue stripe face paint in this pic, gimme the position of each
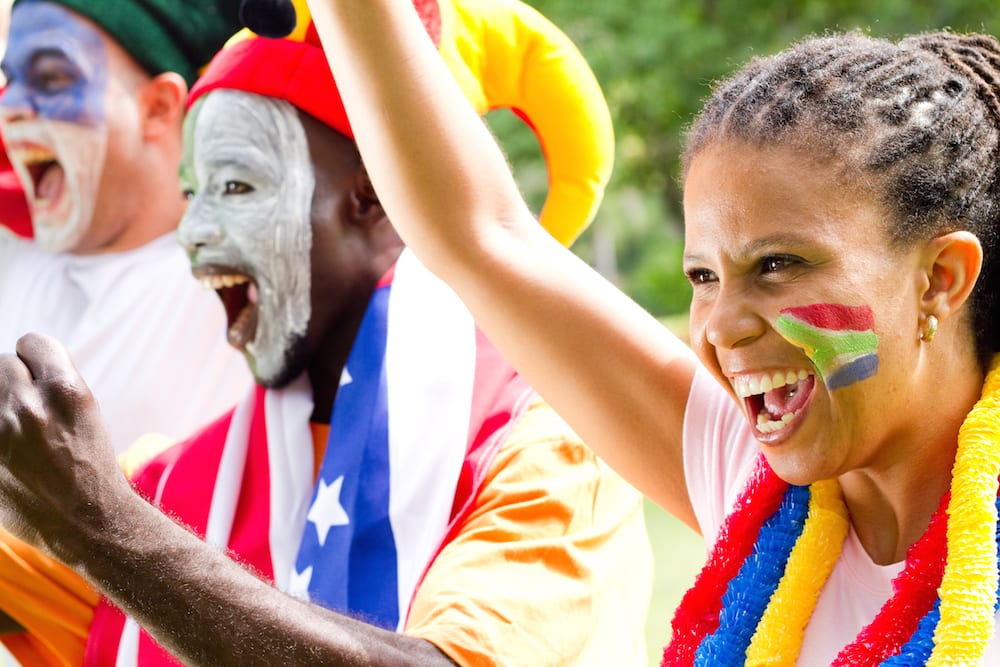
(56, 65)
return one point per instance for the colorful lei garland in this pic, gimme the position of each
(753, 599)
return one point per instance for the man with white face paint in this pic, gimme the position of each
(91, 117)
(390, 465)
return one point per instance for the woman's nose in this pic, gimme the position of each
(733, 321)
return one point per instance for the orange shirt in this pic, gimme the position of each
(552, 567)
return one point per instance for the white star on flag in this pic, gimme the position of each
(327, 511)
(345, 377)
(298, 584)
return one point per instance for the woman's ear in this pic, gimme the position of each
(162, 101)
(952, 263)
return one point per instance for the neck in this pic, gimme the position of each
(891, 501)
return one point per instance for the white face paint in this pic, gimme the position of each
(62, 200)
(247, 229)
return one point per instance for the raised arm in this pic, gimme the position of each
(614, 373)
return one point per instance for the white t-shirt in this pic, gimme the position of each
(147, 338)
(719, 454)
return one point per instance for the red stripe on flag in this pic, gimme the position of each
(834, 316)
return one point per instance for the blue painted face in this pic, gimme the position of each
(56, 65)
(53, 118)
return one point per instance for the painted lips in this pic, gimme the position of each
(840, 340)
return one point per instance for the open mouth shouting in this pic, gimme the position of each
(776, 398)
(239, 296)
(46, 178)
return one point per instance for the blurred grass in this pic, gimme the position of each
(678, 553)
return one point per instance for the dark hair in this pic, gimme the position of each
(921, 118)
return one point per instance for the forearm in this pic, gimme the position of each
(207, 610)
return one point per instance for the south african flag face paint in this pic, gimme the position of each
(840, 340)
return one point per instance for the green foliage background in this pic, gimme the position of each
(656, 61)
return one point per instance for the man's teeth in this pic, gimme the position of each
(751, 385)
(218, 282)
(767, 425)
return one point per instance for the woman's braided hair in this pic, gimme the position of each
(918, 119)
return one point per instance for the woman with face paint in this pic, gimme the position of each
(826, 434)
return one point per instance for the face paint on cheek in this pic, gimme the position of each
(840, 340)
(63, 194)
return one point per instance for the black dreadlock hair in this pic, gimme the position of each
(919, 117)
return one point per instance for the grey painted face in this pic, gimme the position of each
(248, 172)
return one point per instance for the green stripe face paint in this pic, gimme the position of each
(840, 340)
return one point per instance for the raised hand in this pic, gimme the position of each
(59, 480)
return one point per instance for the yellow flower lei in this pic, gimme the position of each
(968, 589)
(778, 637)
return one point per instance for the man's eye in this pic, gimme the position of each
(237, 188)
(52, 79)
(700, 276)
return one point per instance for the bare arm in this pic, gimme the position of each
(61, 490)
(613, 372)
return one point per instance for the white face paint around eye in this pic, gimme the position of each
(60, 165)
(248, 227)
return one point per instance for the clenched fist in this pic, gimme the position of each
(59, 480)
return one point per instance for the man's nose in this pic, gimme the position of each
(15, 104)
(197, 231)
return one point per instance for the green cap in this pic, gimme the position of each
(164, 35)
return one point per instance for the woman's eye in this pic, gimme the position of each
(237, 188)
(700, 276)
(775, 263)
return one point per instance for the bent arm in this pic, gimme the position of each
(609, 368)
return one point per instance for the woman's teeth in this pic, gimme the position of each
(751, 385)
(767, 425)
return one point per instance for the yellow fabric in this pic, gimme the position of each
(553, 566)
(141, 451)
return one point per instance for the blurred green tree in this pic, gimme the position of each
(656, 61)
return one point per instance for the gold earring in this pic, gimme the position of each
(930, 328)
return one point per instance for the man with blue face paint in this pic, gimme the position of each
(91, 117)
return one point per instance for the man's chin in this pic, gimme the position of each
(278, 376)
(58, 239)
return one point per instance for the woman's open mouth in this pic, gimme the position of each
(775, 398)
(238, 293)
